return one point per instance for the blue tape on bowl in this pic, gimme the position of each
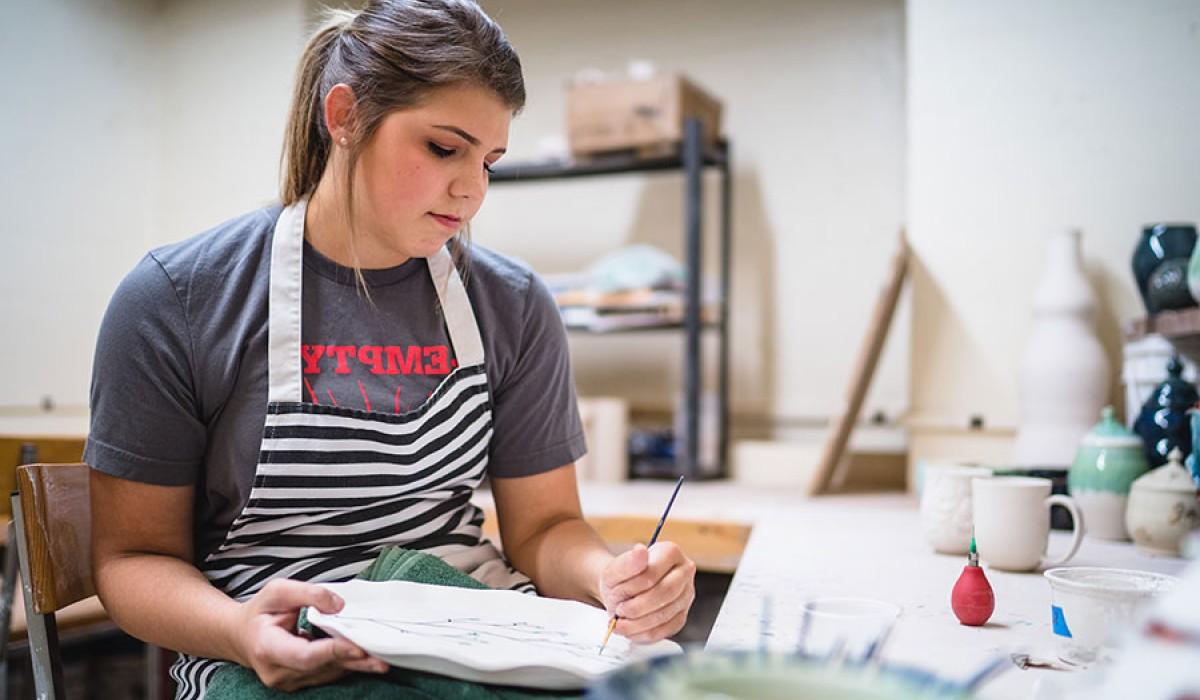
(1060, 622)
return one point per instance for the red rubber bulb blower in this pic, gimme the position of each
(972, 598)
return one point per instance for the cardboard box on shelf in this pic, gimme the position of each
(644, 115)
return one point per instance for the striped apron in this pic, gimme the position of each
(334, 486)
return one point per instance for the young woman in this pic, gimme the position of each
(277, 399)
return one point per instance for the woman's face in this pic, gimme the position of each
(423, 174)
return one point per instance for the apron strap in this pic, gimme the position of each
(460, 317)
(283, 312)
(285, 383)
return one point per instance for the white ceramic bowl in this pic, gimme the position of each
(1090, 604)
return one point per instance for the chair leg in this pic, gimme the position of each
(8, 589)
(41, 629)
(155, 662)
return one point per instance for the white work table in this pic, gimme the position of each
(870, 546)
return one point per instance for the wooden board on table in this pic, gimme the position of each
(715, 546)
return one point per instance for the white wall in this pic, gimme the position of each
(138, 122)
(192, 98)
(78, 137)
(135, 122)
(814, 110)
(1025, 118)
(227, 71)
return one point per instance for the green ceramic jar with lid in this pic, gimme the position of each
(1109, 459)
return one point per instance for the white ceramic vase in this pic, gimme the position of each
(1063, 377)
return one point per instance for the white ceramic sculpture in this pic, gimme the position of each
(1063, 377)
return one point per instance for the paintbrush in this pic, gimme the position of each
(653, 538)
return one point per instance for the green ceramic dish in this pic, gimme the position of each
(755, 676)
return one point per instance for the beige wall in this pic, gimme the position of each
(227, 69)
(814, 110)
(78, 139)
(183, 108)
(138, 123)
(1025, 118)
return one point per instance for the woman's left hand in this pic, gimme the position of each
(650, 590)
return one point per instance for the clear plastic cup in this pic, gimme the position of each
(853, 629)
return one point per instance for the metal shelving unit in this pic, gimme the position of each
(692, 159)
(1179, 326)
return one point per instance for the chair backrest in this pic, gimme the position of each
(57, 523)
(52, 519)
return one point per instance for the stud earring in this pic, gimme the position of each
(343, 141)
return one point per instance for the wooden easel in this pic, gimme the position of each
(860, 380)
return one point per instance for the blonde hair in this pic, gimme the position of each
(391, 55)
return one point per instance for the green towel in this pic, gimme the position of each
(234, 682)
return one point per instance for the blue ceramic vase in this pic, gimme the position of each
(1168, 286)
(1193, 459)
(1163, 423)
(1162, 243)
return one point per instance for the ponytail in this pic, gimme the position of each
(306, 141)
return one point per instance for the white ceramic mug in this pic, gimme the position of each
(946, 506)
(1012, 522)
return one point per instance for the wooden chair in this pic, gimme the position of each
(52, 519)
(8, 588)
(51, 533)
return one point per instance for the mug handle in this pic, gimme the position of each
(1077, 528)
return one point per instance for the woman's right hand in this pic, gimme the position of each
(267, 642)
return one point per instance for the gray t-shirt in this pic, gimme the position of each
(179, 383)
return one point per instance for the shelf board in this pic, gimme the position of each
(673, 326)
(642, 468)
(1180, 326)
(614, 164)
(1175, 325)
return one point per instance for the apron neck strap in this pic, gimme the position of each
(285, 382)
(460, 317)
